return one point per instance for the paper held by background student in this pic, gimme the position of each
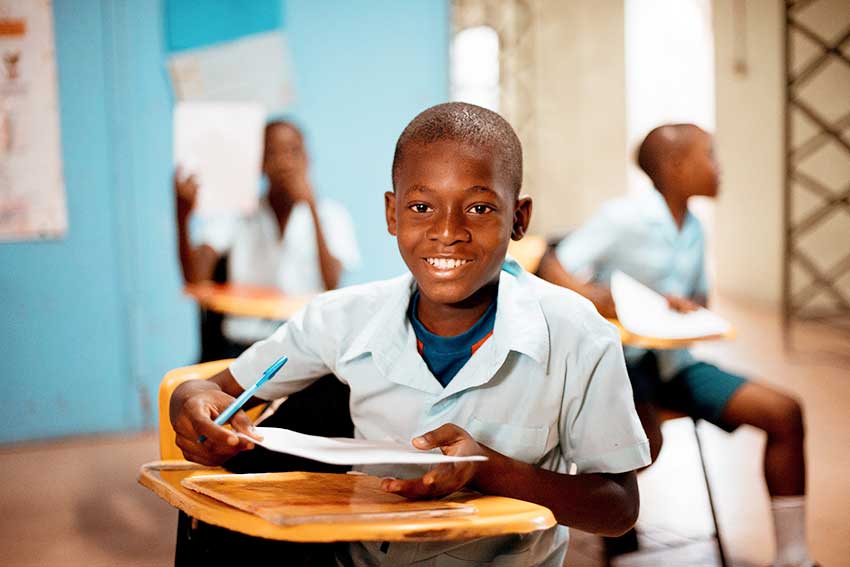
(644, 312)
(221, 143)
(350, 451)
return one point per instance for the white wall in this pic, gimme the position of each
(580, 106)
(748, 213)
(750, 115)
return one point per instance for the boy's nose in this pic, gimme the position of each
(449, 227)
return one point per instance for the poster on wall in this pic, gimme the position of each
(32, 189)
(255, 68)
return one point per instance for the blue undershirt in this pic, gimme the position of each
(445, 356)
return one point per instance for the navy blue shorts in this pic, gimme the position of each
(701, 390)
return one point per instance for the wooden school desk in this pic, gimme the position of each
(494, 515)
(630, 339)
(245, 300)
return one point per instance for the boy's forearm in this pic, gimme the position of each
(196, 262)
(330, 267)
(606, 504)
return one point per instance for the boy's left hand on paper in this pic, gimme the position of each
(681, 304)
(445, 478)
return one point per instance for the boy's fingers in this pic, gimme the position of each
(441, 475)
(243, 424)
(414, 489)
(443, 435)
(215, 434)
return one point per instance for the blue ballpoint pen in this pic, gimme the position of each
(224, 416)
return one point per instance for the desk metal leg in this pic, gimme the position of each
(720, 550)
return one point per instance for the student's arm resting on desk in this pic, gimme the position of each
(198, 262)
(599, 503)
(194, 406)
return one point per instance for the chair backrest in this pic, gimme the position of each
(168, 449)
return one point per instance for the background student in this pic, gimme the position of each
(293, 241)
(655, 239)
(459, 354)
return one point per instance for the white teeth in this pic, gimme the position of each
(446, 263)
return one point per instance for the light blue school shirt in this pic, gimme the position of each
(638, 236)
(549, 388)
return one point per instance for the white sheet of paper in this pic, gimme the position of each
(644, 312)
(338, 451)
(221, 143)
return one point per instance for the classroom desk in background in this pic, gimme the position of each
(245, 300)
(630, 339)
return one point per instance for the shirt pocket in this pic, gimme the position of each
(523, 443)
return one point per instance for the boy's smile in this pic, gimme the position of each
(454, 213)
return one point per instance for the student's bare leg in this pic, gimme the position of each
(781, 417)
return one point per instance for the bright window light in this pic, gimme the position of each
(474, 60)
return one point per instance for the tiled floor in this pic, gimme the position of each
(77, 503)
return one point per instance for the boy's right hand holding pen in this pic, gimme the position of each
(193, 409)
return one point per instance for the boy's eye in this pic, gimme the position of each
(420, 208)
(480, 209)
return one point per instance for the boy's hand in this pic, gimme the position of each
(186, 192)
(195, 419)
(301, 190)
(681, 304)
(445, 478)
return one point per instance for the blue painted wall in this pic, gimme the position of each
(363, 70)
(92, 321)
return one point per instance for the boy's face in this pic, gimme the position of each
(453, 214)
(699, 171)
(284, 154)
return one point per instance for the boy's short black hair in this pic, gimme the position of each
(281, 123)
(666, 142)
(468, 124)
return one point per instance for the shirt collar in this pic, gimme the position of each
(520, 327)
(655, 210)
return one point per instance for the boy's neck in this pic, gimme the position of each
(281, 205)
(449, 320)
(677, 204)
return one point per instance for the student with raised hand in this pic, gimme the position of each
(655, 239)
(293, 241)
(466, 353)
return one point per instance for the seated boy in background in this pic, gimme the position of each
(655, 239)
(294, 242)
(459, 355)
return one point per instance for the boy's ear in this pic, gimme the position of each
(522, 217)
(389, 211)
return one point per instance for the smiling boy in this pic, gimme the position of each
(460, 354)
